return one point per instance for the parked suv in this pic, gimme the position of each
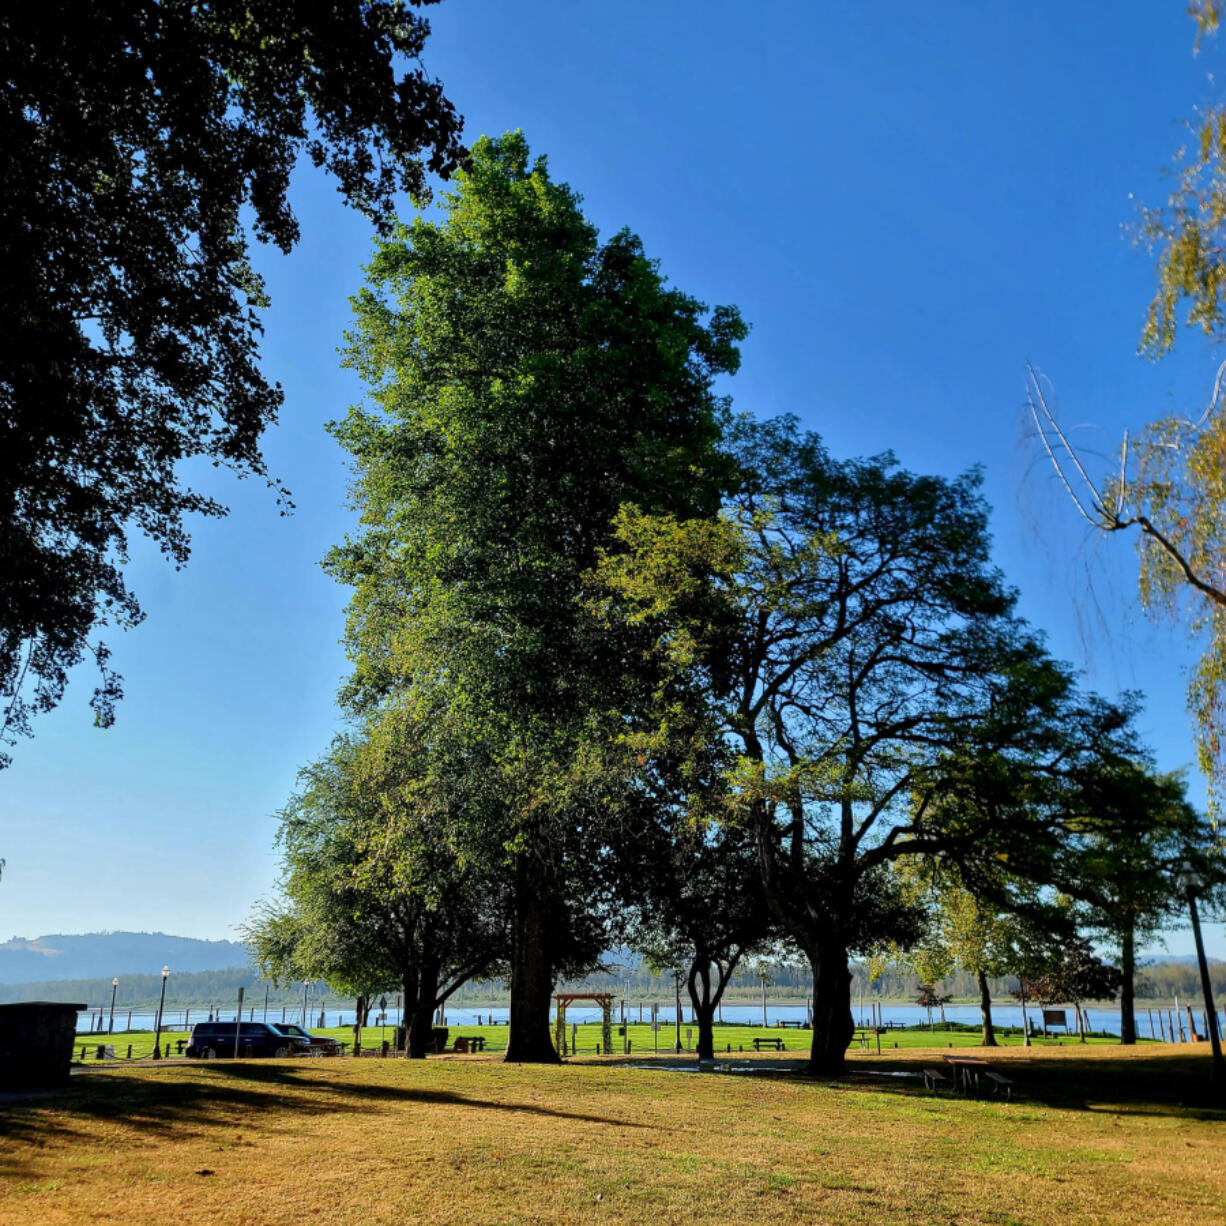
(321, 1044)
(213, 1039)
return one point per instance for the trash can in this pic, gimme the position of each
(36, 1041)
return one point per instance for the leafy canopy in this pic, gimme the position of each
(137, 139)
(525, 380)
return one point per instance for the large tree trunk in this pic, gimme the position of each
(410, 999)
(531, 975)
(832, 1023)
(421, 1023)
(985, 1012)
(1128, 966)
(703, 1007)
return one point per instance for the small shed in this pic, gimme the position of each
(36, 1038)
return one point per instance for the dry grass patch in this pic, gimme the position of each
(1097, 1137)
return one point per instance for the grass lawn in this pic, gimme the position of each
(642, 1040)
(1097, 1134)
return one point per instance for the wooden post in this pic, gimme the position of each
(238, 1022)
(1193, 1037)
(1150, 1012)
(1172, 1018)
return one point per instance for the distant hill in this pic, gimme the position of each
(1177, 959)
(98, 955)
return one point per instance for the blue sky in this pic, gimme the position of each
(906, 202)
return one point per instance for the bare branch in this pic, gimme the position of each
(1044, 421)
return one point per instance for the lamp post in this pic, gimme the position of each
(114, 988)
(157, 1030)
(306, 988)
(1191, 882)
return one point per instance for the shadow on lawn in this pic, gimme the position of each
(227, 1095)
(1173, 1085)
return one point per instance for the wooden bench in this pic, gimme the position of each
(774, 1044)
(1000, 1082)
(470, 1042)
(934, 1079)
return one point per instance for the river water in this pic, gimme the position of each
(1004, 1015)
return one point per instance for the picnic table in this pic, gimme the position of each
(466, 1043)
(967, 1070)
(774, 1044)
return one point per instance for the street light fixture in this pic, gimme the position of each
(157, 1032)
(114, 988)
(1191, 881)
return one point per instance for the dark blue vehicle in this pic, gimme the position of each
(211, 1040)
(321, 1044)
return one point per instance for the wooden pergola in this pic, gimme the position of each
(603, 999)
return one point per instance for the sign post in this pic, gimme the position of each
(238, 1022)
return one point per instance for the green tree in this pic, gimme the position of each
(374, 896)
(964, 933)
(525, 381)
(1138, 831)
(875, 660)
(698, 904)
(136, 140)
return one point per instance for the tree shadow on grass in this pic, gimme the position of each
(221, 1095)
(1170, 1085)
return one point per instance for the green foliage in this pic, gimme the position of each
(1137, 831)
(859, 654)
(138, 139)
(526, 381)
(375, 897)
(964, 932)
(1171, 481)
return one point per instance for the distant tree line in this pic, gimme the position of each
(142, 991)
(788, 981)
